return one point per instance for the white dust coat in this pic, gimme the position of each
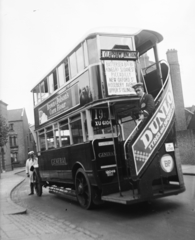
(30, 162)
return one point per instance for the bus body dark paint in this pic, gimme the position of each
(110, 156)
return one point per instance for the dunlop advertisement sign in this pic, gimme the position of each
(154, 131)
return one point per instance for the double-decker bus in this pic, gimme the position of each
(91, 143)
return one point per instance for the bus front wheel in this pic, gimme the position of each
(84, 191)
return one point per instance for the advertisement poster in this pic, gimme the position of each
(154, 131)
(120, 76)
(64, 101)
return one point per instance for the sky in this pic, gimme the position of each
(37, 34)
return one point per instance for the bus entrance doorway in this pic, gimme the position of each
(123, 117)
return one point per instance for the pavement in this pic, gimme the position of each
(14, 227)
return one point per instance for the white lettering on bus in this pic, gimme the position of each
(62, 97)
(58, 161)
(105, 154)
(157, 122)
(51, 105)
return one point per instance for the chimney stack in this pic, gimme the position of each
(172, 59)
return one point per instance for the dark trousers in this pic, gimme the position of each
(31, 188)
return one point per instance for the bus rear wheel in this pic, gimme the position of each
(84, 191)
(37, 183)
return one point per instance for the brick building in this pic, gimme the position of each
(5, 159)
(184, 118)
(20, 137)
(33, 138)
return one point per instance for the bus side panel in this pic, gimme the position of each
(57, 164)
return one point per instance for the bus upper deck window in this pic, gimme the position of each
(37, 94)
(147, 59)
(51, 84)
(92, 50)
(73, 65)
(55, 80)
(44, 89)
(85, 54)
(107, 42)
(67, 70)
(52, 80)
(80, 59)
(61, 74)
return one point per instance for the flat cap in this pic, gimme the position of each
(137, 85)
(31, 152)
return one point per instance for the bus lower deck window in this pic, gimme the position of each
(50, 140)
(76, 129)
(65, 135)
(42, 142)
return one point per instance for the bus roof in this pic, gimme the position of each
(140, 33)
(144, 39)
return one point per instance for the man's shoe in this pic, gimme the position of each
(30, 194)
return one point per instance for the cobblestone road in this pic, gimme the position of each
(39, 223)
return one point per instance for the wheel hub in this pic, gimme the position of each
(80, 188)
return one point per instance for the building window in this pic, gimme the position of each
(14, 157)
(13, 141)
(11, 127)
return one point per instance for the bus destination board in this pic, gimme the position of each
(120, 76)
(118, 54)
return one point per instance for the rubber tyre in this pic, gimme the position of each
(37, 183)
(84, 191)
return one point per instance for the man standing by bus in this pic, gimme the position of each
(146, 102)
(30, 163)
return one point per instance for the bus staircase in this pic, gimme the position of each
(129, 192)
(135, 184)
